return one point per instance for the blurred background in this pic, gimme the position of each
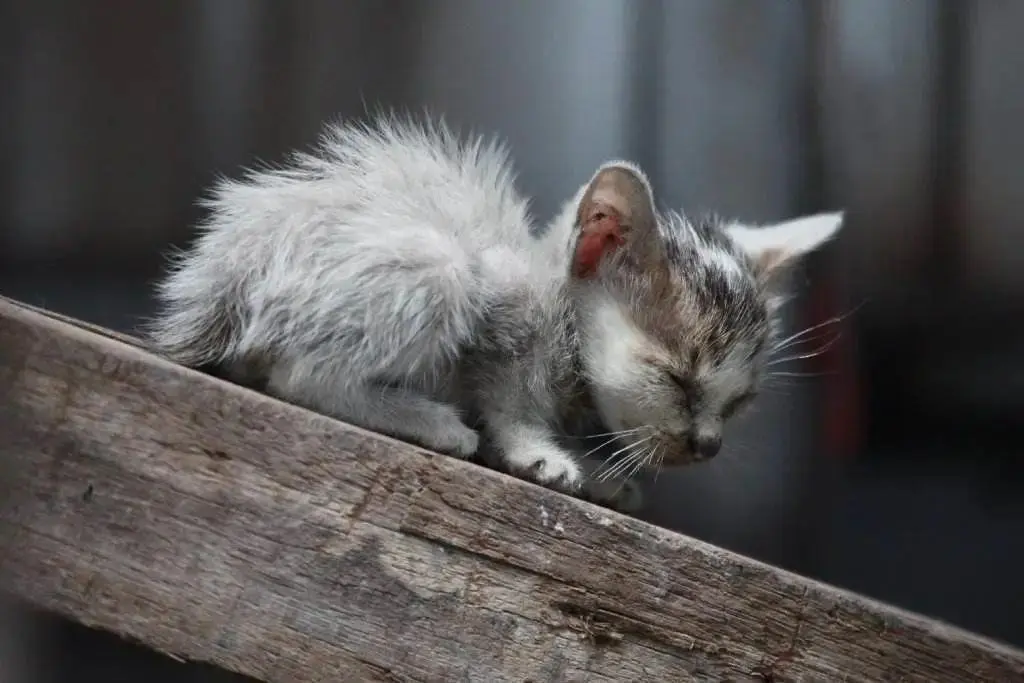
(890, 467)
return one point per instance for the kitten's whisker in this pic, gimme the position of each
(640, 463)
(642, 460)
(817, 337)
(599, 447)
(660, 461)
(620, 466)
(600, 475)
(611, 458)
(823, 336)
(803, 333)
(624, 432)
(801, 374)
(776, 382)
(623, 462)
(614, 466)
(804, 356)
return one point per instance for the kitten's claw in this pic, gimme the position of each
(456, 440)
(556, 470)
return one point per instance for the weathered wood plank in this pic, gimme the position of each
(220, 525)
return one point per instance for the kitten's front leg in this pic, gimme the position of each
(532, 452)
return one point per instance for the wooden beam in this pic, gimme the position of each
(217, 524)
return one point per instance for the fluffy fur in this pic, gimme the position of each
(390, 279)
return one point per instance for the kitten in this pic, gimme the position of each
(390, 279)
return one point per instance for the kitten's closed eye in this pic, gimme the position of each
(738, 402)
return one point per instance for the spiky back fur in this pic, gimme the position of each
(296, 258)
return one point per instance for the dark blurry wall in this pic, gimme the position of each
(116, 114)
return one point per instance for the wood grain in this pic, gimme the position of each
(217, 524)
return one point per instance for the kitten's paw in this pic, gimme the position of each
(624, 496)
(454, 439)
(555, 469)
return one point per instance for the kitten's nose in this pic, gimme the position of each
(706, 445)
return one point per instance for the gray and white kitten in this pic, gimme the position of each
(389, 278)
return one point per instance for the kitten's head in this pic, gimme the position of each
(675, 317)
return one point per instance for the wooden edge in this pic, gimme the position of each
(96, 329)
(220, 525)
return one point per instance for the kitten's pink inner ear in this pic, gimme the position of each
(601, 232)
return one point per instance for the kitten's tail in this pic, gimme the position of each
(200, 320)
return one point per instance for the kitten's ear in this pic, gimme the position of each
(617, 209)
(774, 247)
